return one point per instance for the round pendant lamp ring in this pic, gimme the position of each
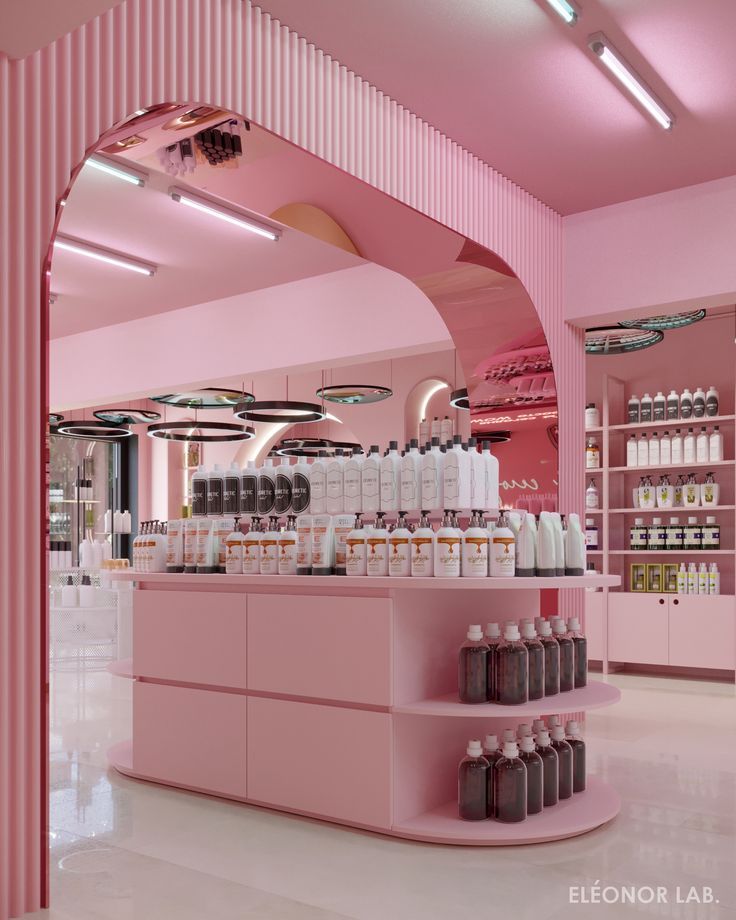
(354, 393)
(279, 411)
(91, 430)
(192, 431)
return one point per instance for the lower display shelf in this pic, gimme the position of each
(595, 695)
(583, 812)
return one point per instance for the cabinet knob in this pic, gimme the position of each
(661, 600)
(675, 601)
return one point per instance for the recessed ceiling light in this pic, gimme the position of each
(627, 77)
(238, 218)
(112, 168)
(91, 251)
(566, 10)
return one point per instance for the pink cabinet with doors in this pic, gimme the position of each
(702, 632)
(638, 628)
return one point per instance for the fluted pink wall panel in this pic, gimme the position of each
(54, 105)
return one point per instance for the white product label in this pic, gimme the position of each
(399, 557)
(447, 555)
(335, 485)
(475, 557)
(409, 497)
(318, 485)
(503, 556)
(355, 556)
(234, 556)
(422, 556)
(429, 484)
(251, 556)
(451, 479)
(377, 555)
(370, 487)
(269, 564)
(287, 555)
(388, 488)
(352, 483)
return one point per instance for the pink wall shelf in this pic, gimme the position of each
(226, 666)
(672, 424)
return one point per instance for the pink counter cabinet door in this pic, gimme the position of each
(328, 761)
(193, 637)
(638, 627)
(595, 623)
(702, 632)
(327, 648)
(192, 738)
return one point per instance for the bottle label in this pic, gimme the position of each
(355, 556)
(317, 485)
(251, 556)
(673, 410)
(370, 483)
(422, 555)
(231, 495)
(248, 494)
(334, 485)
(708, 493)
(429, 484)
(282, 494)
(199, 497)
(388, 491)
(475, 556)
(300, 493)
(711, 406)
(408, 488)
(503, 556)
(266, 494)
(352, 483)
(451, 481)
(214, 496)
(304, 547)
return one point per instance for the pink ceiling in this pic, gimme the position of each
(510, 81)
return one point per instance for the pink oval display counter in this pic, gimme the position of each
(235, 675)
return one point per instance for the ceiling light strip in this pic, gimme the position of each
(237, 218)
(564, 9)
(126, 173)
(628, 78)
(119, 260)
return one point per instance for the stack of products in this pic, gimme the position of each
(682, 578)
(658, 536)
(534, 770)
(687, 492)
(697, 404)
(653, 450)
(542, 659)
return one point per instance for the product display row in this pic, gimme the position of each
(311, 544)
(687, 492)
(653, 450)
(658, 536)
(676, 578)
(697, 404)
(455, 475)
(547, 657)
(442, 428)
(533, 771)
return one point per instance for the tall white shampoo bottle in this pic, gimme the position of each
(456, 476)
(215, 491)
(411, 478)
(249, 489)
(335, 483)
(355, 549)
(546, 556)
(493, 501)
(288, 548)
(654, 452)
(371, 481)
(574, 546)
(688, 447)
(390, 478)
(446, 430)
(642, 451)
(318, 484)
(433, 478)
(199, 492)
(559, 543)
(266, 498)
(526, 548)
(677, 448)
(284, 494)
(300, 487)
(477, 476)
(351, 482)
(377, 548)
(715, 446)
(399, 549)
(702, 443)
(632, 451)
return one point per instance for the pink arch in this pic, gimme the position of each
(230, 52)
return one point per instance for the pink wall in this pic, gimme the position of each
(667, 252)
(228, 53)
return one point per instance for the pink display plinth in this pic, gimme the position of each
(595, 695)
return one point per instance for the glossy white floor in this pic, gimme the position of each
(122, 850)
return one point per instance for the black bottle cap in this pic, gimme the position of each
(374, 448)
(70, 580)
(393, 445)
(323, 453)
(414, 442)
(456, 439)
(472, 442)
(435, 442)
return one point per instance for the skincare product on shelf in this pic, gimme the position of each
(526, 548)
(390, 478)
(477, 475)
(674, 534)
(714, 579)
(592, 453)
(715, 446)
(493, 500)
(673, 405)
(698, 403)
(231, 491)
(686, 404)
(249, 489)
(654, 449)
(221, 530)
(535, 650)
(199, 492)
(512, 668)
(692, 579)
(633, 411)
(352, 482)
(473, 668)
(411, 478)
(215, 491)
(646, 408)
(377, 548)
(689, 447)
(659, 407)
(642, 451)
(592, 416)
(190, 545)
(269, 561)
(574, 545)
(665, 449)
(283, 488)
(252, 548)
(492, 754)
(317, 485)
(591, 495)
(534, 775)
(559, 543)
(493, 640)
(665, 493)
(677, 448)
(692, 535)
(266, 497)
(656, 536)
(702, 578)
(435, 429)
(233, 549)
(323, 545)
(702, 442)
(355, 549)
(448, 550)
(456, 476)
(711, 534)
(550, 768)
(580, 647)
(503, 550)
(509, 786)
(87, 593)
(632, 451)
(567, 656)
(447, 430)
(304, 544)
(691, 492)
(433, 477)
(647, 494)
(423, 548)
(424, 431)
(205, 548)
(546, 555)
(335, 483)
(591, 534)
(564, 762)
(682, 579)
(475, 549)
(342, 524)
(399, 549)
(711, 401)
(575, 739)
(472, 783)
(709, 491)
(69, 593)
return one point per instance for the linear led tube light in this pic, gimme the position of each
(104, 255)
(566, 10)
(624, 73)
(238, 218)
(112, 168)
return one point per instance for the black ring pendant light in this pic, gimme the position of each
(615, 340)
(665, 321)
(208, 398)
(353, 394)
(192, 431)
(126, 416)
(279, 411)
(311, 447)
(91, 430)
(459, 399)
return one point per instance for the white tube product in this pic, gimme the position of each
(475, 549)
(252, 548)
(205, 548)
(269, 561)
(355, 549)
(399, 549)
(390, 478)
(199, 492)
(682, 579)
(692, 579)
(411, 478)
(283, 488)
(234, 550)
(335, 484)
(352, 482)
(342, 524)
(300, 489)
(304, 544)
(702, 443)
(422, 548)
(288, 548)
(249, 489)
(477, 476)
(370, 481)
(190, 545)
(221, 530)
(503, 550)
(714, 579)
(574, 546)
(559, 543)
(715, 446)
(447, 550)
(493, 501)
(215, 490)
(433, 478)
(702, 578)
(323, 545)
(377, 548)
(688, 447)
(526, 548)
(546, 554)
(456, 477)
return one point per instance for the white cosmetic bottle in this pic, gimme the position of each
(709, 492)
(493, 501)
(575, 554)
(233, 549)
(559, 543)
(702, 443)
(199, 493)
(632, 451)
(456, 476)
(422, 548)
(654, 452)
(546, 557)
(269, 561)
(411, 478)
(206, 563)
(355, 549)
(249, 489)
(352, 482)
(477, 475)
(371, 481)
(304, 544)
(377, 548)
(715, 446)
(642, 451)
(215, 491)
(688, 447)
(526, 547)
(447, 549)
(266, 497)
(446, 430)
(665, 449)
(318, 484)
(323, 545)
(284, 490)
(677, 448)
(399, 549)
(433, 477)
(252, 548)
(390, 478)
(335, 483)
(714, 579)
(682, 579)
(301, 495)
(475, 548)
(287, 548)
(69, 593)
(503, 550)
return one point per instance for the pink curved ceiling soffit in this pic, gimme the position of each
(231, 54)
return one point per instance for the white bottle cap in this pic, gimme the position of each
(527, 744)
(545, 629)
(538, 620)
(674, 520)
(656, 520)
(490, 743)
(573, 624)
(474, 749)
(558, 733)
(538, 725)
(553, 720)
(710, 519)
(217, 467)
(589, 522)
(660, 393)
(475, 633)
(492, 631)
(510, 750)
(559, 628)
(511, 633)
(509, 735)
(646, 396)
(528, 631)
(543, 737)
(692, 520)
(572, 727)
(523, 729)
